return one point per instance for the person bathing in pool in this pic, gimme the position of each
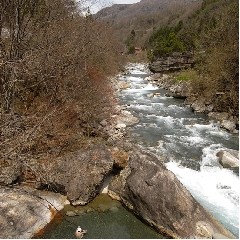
(79, 232)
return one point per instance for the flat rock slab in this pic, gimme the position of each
(25, 211)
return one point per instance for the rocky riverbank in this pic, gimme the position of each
(141, 182)
(199, 104)
(34, 190)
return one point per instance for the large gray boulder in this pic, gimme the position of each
(218, 116)
(79, 175)
(125, 117)
(181, 90)
(229, 125)
(228, 159)
(199, 106)
(155, 194)
(25, 211)
(227, 122)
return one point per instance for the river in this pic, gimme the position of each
(188, 142)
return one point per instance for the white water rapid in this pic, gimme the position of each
(188, 142)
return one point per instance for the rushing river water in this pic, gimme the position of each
(188, 142)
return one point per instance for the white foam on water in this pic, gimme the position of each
(176, 108)
(133, 79)
(149, 87)
(168, 121)
(193, 140)
(158, 105)
(215, 188)
(137, 68)
(209, 128)
(215, 130)
(138, 71)
(209, 157)
(153, 125)
(140, 87)
(199, 127)
(134, 88)
(166, 98)
(139, 107)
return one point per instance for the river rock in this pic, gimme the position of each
(125, 117)
(180, 90)
(120, 126)
(190, 100)
(79, 175)
(113, 209)
(123, 85)
(229, 125)
(150, 95)
(218, 116)
(199, 106)
(25, 211)
(226, 122)
(148, 78)
(120, 158)
(155, 194)
(163, 80)
(228, 160)
(71, 213)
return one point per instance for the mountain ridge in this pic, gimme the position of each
(144, 17)
(118, 12)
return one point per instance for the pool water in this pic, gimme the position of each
(102, 218)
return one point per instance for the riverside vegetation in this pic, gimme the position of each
(54, 64)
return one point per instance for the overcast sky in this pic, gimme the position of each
(125, 1)
(96, 5)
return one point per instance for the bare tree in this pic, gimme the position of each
(54, 68)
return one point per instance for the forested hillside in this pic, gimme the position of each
(211, 33)
(54, 63)
(208, 29)
(134, 23)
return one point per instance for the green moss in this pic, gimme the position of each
(186, 75)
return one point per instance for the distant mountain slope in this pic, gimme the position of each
(144, 17)
(145, 7)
